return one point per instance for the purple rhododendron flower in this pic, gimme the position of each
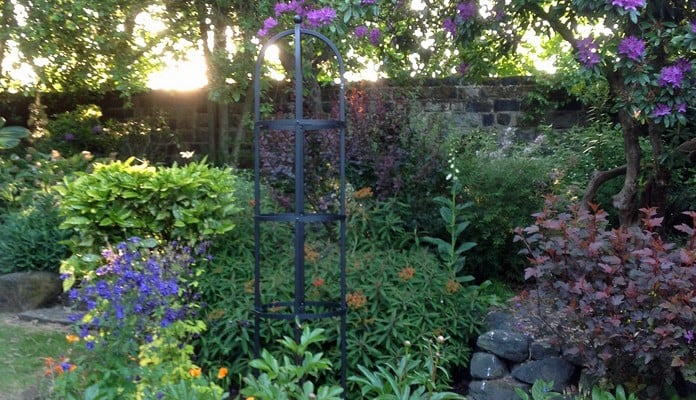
(463, 68)
(693, 26)
(681, 108)
(268, 24)
(467, 9)
(361, 31)
(671, 76)
(689, 336)
(293, 7)
(632, 47)
(69, 137)
(375, 35)
(450, 26)
(364, 2)
(628, 4)
(321, 17)
(96, 129)
(683, 64)
(587, 52)
(661, 110)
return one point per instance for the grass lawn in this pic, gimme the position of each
(25, 346)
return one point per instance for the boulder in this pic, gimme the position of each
(498, 389)
(21, 291)
(508, 345)
(487, 366)
(554, 369)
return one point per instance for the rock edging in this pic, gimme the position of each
(506, 358)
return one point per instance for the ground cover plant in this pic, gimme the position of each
(626, 293)
(26, 346)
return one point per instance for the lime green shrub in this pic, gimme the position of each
(123, 199)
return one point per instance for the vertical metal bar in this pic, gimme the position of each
(257, 208)
(299, 179)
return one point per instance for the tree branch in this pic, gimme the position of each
(597, 179)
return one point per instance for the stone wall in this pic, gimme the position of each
(495, 103)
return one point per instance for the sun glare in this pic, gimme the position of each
(186, 74)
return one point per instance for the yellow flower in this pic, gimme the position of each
(195, 372)
(222, 372)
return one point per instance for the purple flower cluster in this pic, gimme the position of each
(465, 10)
(314, 17)
(662, 110)
(632, 47)
(323, 16)
(629, 5)
(673, 75)
(136, 291)
(587, 52)
(375, 36)
(361, 31)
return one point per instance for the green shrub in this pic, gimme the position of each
(31, 239)
(504, 189)
(393, 295)
(122, 199)
(24, 175)
(80, 130)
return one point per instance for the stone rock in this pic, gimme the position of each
(499, 320)
(540, 349)
(20, 291)
(487, 366)
(498, 389)
(508, 345)
(553, 369)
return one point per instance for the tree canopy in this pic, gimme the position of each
(640, 51)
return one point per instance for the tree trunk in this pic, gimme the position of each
(247, 109)
(626, 201)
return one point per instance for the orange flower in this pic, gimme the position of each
(356, 300)
(452, 286)
(195, 372)
(318, 282)
(363, 193)
(249, 286)
(222, 372)
(72, 338)
(407, 274)
(311, 255)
